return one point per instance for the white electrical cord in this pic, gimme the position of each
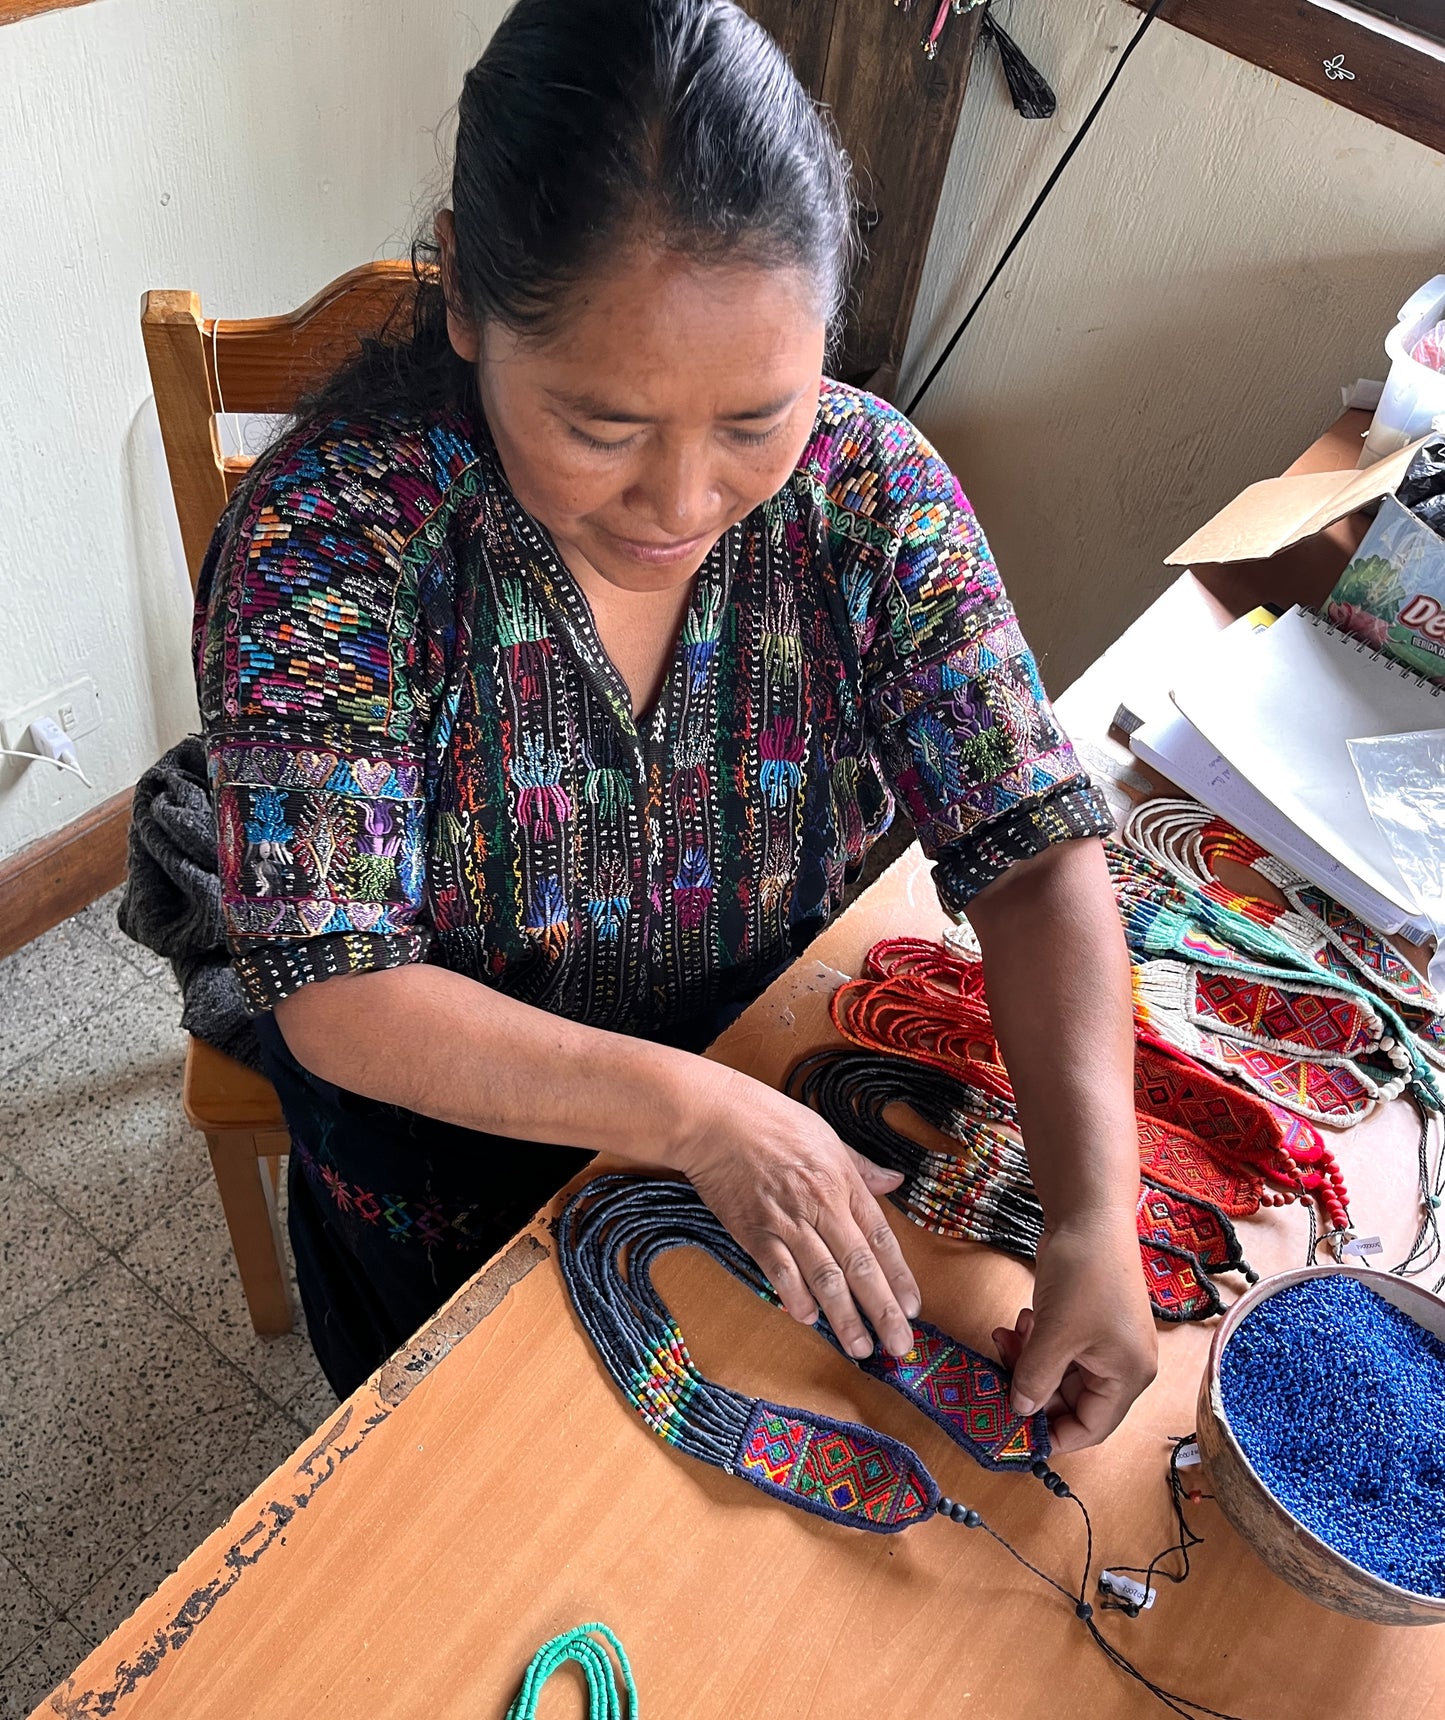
(44, 758)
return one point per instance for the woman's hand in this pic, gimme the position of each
(804, 1206)
(1087, 1347)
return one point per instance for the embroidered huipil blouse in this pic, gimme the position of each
(420, 751)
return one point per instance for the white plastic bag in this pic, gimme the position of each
(1403, 777)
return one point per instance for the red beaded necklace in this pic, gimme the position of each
(1197, 1132)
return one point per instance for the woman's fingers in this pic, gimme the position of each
(802, 1203)
(783, 1273)
(1098, 1409)
(827, 1280)
(1009, 1342)
(876, 1179)
(878, 1234)
(864, 1261)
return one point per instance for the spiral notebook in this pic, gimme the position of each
(1279, 705)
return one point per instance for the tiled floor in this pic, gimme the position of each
(137, 1407)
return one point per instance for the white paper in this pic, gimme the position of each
(1281, 707)
(1176, 749)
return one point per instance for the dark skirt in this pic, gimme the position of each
(390, 1213)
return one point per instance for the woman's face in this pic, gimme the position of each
(674, 397)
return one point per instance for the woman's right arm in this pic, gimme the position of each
(802, 1203)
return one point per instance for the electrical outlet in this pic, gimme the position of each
(75, 707)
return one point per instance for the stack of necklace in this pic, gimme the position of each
(1181, 842)
(1187, 839)
(609, 1237)
(1207, 1151)
(984, 1191)
(1237, 993)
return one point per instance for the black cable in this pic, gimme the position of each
(1176, 1704)
(1426, 1249)
(1185, 1538)
(1038, 204)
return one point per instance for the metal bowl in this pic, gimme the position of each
(1289, 1549)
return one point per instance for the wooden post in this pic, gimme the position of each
(175, 346)
(248, 1198)
(897, 111)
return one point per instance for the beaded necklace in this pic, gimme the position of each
(840, 1470)
(1167, 916)
(581, 1646)
(922, 1001)
(1186, 839)
(609, 1236)
(985, 1193)
(1224, 1016)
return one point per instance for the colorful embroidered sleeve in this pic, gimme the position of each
(312, 666)
(965, 730)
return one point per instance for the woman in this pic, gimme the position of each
(561, 665)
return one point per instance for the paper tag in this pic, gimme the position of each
(1188, 1457)
(1127, 1589)
(1363, 1245)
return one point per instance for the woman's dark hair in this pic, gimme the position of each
(589, 124)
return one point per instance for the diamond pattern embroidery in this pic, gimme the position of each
(1317, 1025)
(1193, 1226)
(966, 1395)
(1175, 1286)
(835, 1470)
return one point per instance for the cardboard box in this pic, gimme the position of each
(1272, 515)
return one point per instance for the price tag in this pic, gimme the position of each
(1126, 1589)
(1188, 1457)
(1363, 1246)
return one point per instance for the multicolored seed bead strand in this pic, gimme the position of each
(922, 1001)
(984, 1192)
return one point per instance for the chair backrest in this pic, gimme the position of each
(201, 366)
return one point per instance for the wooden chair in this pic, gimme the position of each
(199, 367)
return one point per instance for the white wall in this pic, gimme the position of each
(249, 149)
(1223, 252)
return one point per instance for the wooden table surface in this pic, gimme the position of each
(488, 1487)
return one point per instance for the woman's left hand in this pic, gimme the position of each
(1087, 1348)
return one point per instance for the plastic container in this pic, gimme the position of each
(1414, 395)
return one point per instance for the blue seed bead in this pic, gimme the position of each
(1338, 1400)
